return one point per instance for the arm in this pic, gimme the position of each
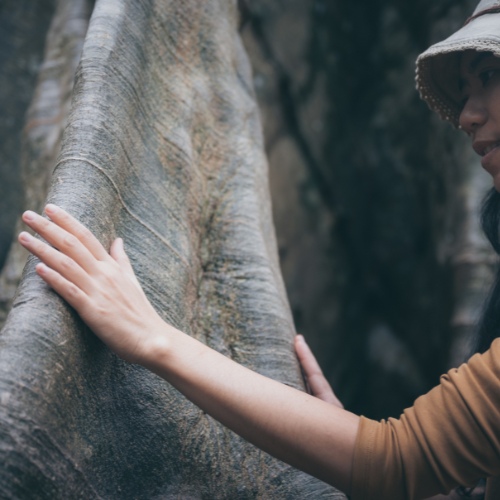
(295, 427)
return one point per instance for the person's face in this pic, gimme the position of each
(480, 115)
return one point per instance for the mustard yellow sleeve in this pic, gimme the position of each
(450, 437)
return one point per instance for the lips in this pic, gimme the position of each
(491, 148)
(489, 151)
(483, 148)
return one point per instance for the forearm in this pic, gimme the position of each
(295, 427)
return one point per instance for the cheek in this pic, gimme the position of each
(494, 102)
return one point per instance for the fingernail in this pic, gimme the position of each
(51, 208)
(29, 215)
(24, 236)
(301, 337)
(41, 268)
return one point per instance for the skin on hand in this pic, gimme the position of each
(317, 382)
(100, 286)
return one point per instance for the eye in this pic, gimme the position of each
(487, 74)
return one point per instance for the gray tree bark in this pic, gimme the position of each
(163, 147)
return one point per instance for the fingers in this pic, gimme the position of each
(77, 229)
(62, 264)
(118, 253)
(67, 243)
(67, 290)
(67, 235)
(68, 223)
(306, 357)
(314, 375)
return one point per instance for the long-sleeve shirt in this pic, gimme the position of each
(450, 437)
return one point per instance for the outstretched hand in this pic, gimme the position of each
(314, 375)
(100, 286)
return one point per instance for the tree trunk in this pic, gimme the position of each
(163, 147)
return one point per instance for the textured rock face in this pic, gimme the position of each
(163, 147)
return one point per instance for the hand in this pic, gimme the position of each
(101, 287)
(314, 375)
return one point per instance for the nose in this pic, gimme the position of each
(473, 115)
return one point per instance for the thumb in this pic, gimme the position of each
(118, 253)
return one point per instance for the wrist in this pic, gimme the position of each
(157, 346)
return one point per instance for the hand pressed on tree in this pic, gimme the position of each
(100, 286)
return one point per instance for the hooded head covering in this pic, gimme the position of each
(438, 67)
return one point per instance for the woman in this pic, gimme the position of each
(450, 437)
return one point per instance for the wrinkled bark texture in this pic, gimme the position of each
(375, 200)
(163, 147)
